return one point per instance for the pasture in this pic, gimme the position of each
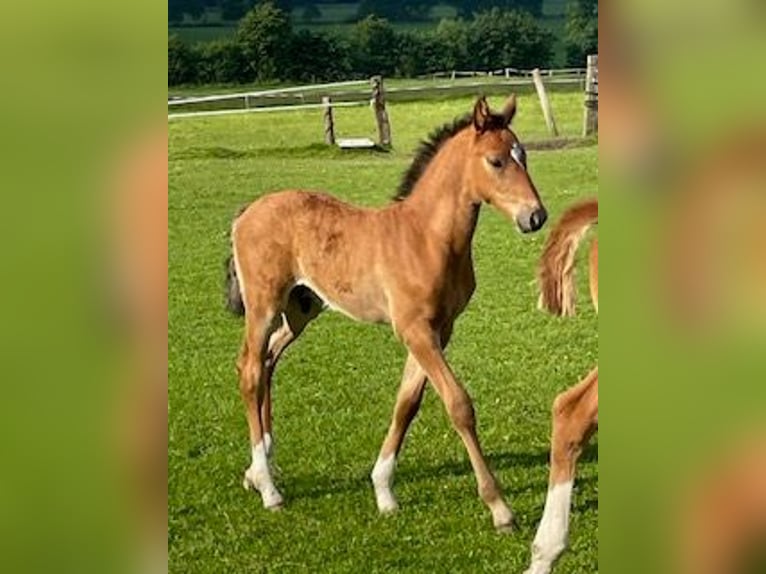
(334, 389)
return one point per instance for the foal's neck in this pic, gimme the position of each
(441, 200)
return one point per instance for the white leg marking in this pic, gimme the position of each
(382, 479)
(551, 538)
(259, 477)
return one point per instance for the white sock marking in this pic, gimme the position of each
(551, 538)
(259, 476)
(382, 479)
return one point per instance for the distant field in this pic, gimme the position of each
(335, 388)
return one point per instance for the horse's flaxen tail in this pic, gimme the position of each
(556, 269)
(234, 302)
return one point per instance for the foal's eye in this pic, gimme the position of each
(495, 162)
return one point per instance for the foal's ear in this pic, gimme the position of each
(509, 109)
(481, 115)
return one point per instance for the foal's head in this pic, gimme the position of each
(497, 167)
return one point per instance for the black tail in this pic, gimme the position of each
(234, 301)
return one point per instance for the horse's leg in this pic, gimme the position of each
(575, 418)
(302, 307)
(408, 401)
(407, 404)
(258, 327)
(424, 345)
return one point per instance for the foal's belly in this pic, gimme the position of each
(369, 306)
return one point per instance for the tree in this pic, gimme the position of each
(411, 54)
(263, 36)
(467, 8)
(581, 36)
(182, 62)
(374, 46)
(452, 38)
(317, 57)
(499, 38)
(220, 62)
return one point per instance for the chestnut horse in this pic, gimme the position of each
(575, 411)
(408, 264)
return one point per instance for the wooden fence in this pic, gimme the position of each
(590, 122)
(330, 96)
(357, 92)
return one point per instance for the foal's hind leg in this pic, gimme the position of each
(575, 418)
(302, 307)
(258, 327)
(408, 401)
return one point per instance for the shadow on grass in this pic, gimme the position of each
(317, 486)
(561, 143)
(321, 150)
(316, 150)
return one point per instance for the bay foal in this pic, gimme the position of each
(408, 264)
(575, 411)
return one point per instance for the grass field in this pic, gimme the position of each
(334, 389)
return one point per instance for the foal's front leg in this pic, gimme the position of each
(575, 417)
(408, 401)
(424, 345)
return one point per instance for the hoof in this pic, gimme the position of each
(388, 509)
(272, 500)
(275, 504)
(538, 568)
(385, 500)
(502, 518)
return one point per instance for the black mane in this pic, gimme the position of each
(429, 147)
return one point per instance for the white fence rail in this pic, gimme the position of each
(310, 96)
(504, 72)
(263, 109)
(264, 93)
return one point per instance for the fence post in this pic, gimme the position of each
(590, 120)
(329, 125)
(379, 108)
(544, 102)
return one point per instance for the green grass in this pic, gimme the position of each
(335, 387)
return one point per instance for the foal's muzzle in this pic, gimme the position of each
(531, 220)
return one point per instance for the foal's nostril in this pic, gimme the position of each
(538, 218)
